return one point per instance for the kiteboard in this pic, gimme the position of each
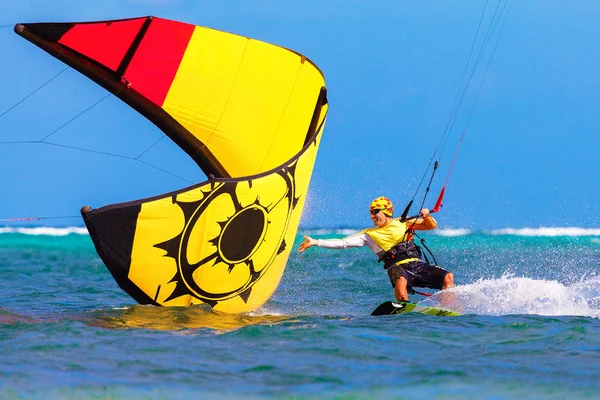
(403, 307)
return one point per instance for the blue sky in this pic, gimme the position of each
(393, 70)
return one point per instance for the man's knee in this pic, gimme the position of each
(448, 280)
(401, 283)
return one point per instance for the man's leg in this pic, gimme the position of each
(448, 281)
(449, 299)
(400, 291)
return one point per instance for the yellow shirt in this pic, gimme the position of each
(388, 236)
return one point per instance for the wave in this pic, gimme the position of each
(531, 232)
(351, 231)
(453, 232)
(330, 231)
(46, 231)
(448, 232)
(547, 231)
(509, 295)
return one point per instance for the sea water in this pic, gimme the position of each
(530, 327)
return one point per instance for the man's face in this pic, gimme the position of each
(378, 218)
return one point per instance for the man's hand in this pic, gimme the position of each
(424, 212)
(308, 242)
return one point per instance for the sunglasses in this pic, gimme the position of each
(375, 211)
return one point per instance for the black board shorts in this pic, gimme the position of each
(418, 274)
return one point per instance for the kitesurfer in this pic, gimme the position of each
(392, 241)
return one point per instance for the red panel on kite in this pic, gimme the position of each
(157, 59)
(104, 42)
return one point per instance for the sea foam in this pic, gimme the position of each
(510, 295)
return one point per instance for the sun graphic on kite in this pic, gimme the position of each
(221, 260)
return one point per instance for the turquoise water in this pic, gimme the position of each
(530, 327)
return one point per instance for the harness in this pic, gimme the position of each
(401, 253)
(405, 252)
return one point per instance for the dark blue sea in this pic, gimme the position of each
(530, 327)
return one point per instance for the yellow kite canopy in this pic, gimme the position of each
(249, 113)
